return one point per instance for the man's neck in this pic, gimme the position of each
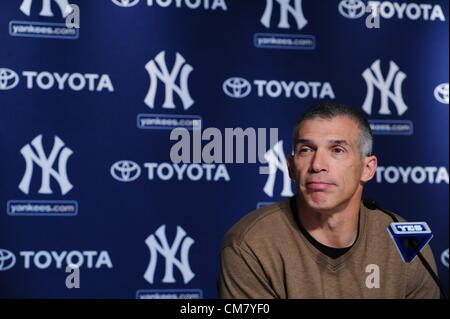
(337, 228)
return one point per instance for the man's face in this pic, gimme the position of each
(327, 165)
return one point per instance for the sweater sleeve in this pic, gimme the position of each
(420, 283)
(242, 276)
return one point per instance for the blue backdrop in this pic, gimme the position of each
(86, 113)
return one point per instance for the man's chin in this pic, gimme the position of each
(320, 203)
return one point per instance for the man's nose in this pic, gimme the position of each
(318, 162)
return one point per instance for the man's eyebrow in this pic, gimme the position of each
(334, 142)
(303, 141)
(339, 142)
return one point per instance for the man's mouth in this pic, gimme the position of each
(318, 186)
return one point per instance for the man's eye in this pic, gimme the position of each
(304, 150)
(338, 150)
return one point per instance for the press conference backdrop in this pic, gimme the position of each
(86, 115)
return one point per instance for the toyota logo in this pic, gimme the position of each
(441, 93)
(352, 9)
(8, 79)
(7, 259)
(125, 171)
(444, 258)
(237, 87)
(126, 3)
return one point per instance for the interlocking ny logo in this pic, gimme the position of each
(169, 254)
(39, 158)
(46, 10)
(277, 161)
(374, 78)
(159, 71)
(285, 9)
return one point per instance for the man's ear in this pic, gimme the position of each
(290, 165)
(370, 168)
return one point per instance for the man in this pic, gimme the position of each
(322, 243)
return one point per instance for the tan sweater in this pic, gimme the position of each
(265, 255)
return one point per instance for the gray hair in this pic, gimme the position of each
(332, 110)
